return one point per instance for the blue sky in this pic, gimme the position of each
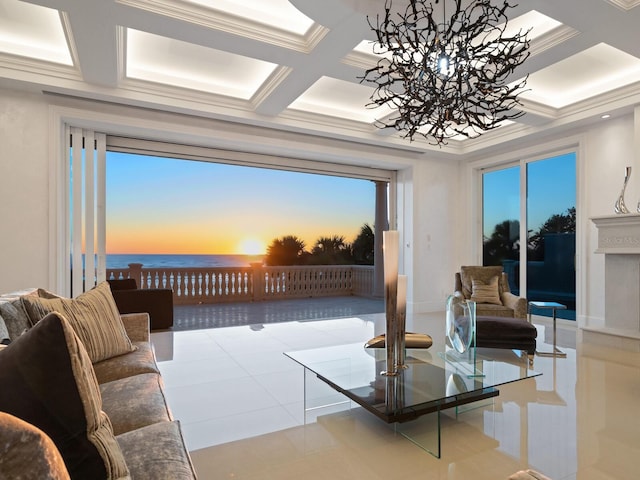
(159, 205)
(551, 189)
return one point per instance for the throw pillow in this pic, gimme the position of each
(486, 292)
(15, 317)
(42, 293)
(472, 272)
(5, 339)
(94, 317)
(48, 381)
(26, 452)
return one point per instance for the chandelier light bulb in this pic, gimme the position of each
(443, 65)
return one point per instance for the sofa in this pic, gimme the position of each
(157, 302)
(82, 396)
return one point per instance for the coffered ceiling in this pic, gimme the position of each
(295, 64)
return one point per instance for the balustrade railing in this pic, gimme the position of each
(256, 282)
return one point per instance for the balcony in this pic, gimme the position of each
(210, 297)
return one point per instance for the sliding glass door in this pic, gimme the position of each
(546, 197)
(501, 222)
(551, 232)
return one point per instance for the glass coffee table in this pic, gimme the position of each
(412, 401)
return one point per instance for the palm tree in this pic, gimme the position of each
(331, 251)
(287, 250)
(503, 243)
(556, 223)
(363, 246)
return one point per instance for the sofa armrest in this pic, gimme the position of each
(515, 303)
(158, 303)
(137, 326)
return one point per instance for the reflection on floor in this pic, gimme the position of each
(240, 402)
(190, 317)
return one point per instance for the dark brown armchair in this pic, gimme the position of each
(157, 302)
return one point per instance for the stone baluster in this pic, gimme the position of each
(257, 271)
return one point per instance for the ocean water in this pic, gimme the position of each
(180, 261)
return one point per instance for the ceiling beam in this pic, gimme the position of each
(340, 40)
(94, 35)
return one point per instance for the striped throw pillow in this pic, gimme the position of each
(93, 316)
(486, 292)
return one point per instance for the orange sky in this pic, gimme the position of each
(167, 206)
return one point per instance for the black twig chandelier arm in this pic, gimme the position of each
(446, 78)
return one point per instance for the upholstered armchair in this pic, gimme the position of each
(489, 288)
(157, 302)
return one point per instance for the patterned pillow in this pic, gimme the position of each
(486, 292)
(48, 381)
(5, 339)
(93, 315)
(15, 317)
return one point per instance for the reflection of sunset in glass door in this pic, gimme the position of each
(549, 270)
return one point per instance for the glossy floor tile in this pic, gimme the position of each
(240, 402)
(189, 317)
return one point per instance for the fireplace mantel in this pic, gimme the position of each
(619, 241)
(618, 234)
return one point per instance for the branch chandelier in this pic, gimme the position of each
(447, 78)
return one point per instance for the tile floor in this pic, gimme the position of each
(191, 317)
(240, 402)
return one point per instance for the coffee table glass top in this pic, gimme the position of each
(433, 380)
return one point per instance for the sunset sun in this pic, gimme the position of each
(251, 246)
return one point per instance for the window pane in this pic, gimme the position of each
(500, 222)
(551, 227)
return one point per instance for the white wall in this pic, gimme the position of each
(24, 191)
(609, 148)
(438, 232)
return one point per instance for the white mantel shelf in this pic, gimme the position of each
(618, 234)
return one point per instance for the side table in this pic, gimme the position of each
(553, 306)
